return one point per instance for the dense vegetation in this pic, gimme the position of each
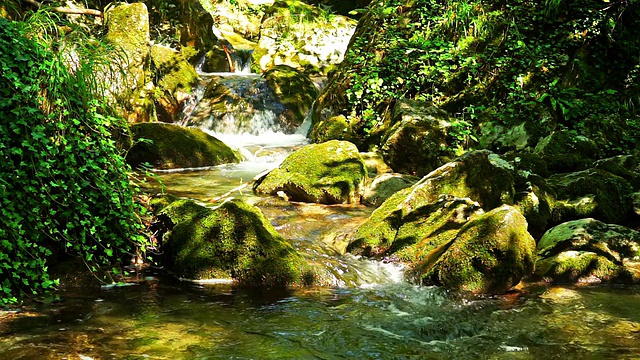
(552, 65)
(64, 185)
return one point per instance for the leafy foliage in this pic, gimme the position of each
(64, 186)
(554, 64)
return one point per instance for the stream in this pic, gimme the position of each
(369, 312)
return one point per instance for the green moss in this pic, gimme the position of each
(490, 254)
(235, 240)
(327, 173)
(174, 146)
(293, 89)
(334, 128)
(174, 72)
(578, 266)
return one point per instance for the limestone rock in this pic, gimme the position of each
(175, 146)
(232, 240)
(329, 173)
(315, 40)
(490, 254)
(588, 250)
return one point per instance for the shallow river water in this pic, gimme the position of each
(367, 312)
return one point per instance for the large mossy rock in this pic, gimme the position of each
(565, 152)
(534, 198)
(294, 90)
(302, 36)
(176, 80)
(329, 173)
(416, 142)
(588, 250)
(590, 193)
(173, 146)
(625, 166)
(490, 254)
(479, 175)
(232, 240)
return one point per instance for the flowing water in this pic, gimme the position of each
(369, 312)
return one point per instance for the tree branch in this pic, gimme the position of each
(65, 10)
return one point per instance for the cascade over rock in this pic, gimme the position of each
(327, 173)
(588, 250)
(232, 240)
(294, 90)
(173, 146)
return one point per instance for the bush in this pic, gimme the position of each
(64, 186)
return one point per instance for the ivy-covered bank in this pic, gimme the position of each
(64, 185)
(500, 68)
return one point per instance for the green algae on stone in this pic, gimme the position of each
(579, 267)
(294, 90)
(329, 173)
(231, 240)
(173, 146)
(490, 254)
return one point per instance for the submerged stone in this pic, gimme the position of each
(329, 173)
(230, 240)
(166, 146)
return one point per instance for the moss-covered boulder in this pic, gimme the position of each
(490, 254)
(166, 146)
(625, 166)
(479, 175)
(334, 128)
(588, 250)
(302, 36)
(529, 162)
(590, 193)
(416, 143)
(294, 90)
(231, 240)
(176, 78)
(329, 173)
(565, 152)
(384, 185)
